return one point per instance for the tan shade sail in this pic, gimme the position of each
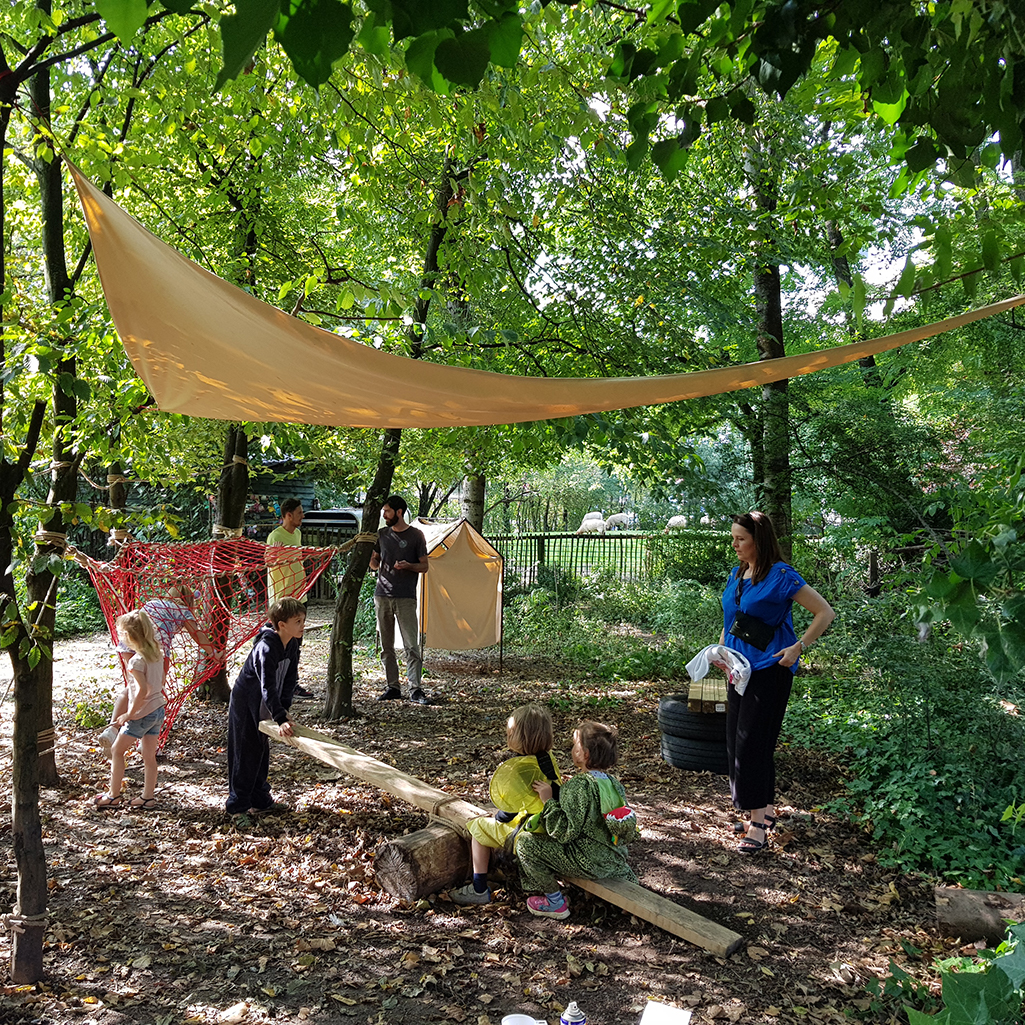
(206, 348)
(460, 595)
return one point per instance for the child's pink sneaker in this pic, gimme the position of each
(543, 909)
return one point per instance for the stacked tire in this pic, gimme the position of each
(692, 740)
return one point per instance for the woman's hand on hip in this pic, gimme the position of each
(788, 656)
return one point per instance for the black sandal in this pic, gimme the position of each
(749, 845)
(770, 823)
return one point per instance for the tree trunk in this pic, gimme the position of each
(340, 676)
(41, 583)
(842, 272)
(774, 484)
(232, 492)
(339, 668)
(28, 920)
(473, 500)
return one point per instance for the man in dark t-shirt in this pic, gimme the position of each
(400, 556)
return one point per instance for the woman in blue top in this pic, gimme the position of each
(763, 586)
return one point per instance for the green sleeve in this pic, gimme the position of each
(564, 819)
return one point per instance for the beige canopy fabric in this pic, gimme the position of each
(206, 348)
(460, 596)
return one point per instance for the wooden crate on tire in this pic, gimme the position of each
(693, 739)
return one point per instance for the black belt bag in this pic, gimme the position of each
(752, 630)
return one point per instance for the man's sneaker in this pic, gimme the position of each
(418, 697)
(390, 694)
(301, 692)
(107, 738)
(539, 906)
(467, 895)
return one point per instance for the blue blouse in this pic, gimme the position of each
(770, 600)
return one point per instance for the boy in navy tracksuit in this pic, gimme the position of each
(263, 690)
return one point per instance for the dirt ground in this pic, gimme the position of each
(183, 915)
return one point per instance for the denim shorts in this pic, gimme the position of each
(147, 724)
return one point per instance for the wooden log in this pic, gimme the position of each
(630, 897)
(421, 863)
(688, 925)
(439, 803)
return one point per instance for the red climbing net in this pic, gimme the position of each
(222, 585)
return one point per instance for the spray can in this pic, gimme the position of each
(573, 1015)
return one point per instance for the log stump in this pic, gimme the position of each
(421, 863)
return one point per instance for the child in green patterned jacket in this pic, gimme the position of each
(586, 827)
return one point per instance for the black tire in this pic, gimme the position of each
(676, 720)
(697, 755)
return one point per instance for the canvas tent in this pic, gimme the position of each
(459, 598)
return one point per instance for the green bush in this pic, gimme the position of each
(931, 750)
(703, 555)
(78, 606)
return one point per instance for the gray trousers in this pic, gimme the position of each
(403, 610)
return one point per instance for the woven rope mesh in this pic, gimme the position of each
(222, 583)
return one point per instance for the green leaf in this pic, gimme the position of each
(242, 32)
(416, 18)
(974, 997)
(314, 34)
(83, 392)
(923, 154)
(373, 37)
(33, 657)
(505, 37)
(635, 153)
(873, 67)
(991, 251)
(1012, 964)
(123, 17)
(859, 298)
(464, 59)
(420, 60)
(742, 108)
(906, 284)
(939, 585)
(9, 637)
(178, 6)
(843, 63)
(670, 157)
(716, 109)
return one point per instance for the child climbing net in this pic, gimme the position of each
(221, 585)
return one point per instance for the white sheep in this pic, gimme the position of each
(675, 523)
(621, 521)
(592, 524)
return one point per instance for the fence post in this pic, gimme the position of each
(540, 549)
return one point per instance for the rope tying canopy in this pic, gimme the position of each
(51, 538)
(19, 923)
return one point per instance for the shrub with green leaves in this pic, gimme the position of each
(985, 990)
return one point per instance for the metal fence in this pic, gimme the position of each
(529, 558)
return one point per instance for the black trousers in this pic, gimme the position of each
(248, 756)
(753, 724)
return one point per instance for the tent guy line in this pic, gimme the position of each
(207, 348)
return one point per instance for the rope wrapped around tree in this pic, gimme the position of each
(223, 584)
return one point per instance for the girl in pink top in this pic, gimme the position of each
(145, 714)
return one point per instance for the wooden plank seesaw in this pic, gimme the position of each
(632, 898)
